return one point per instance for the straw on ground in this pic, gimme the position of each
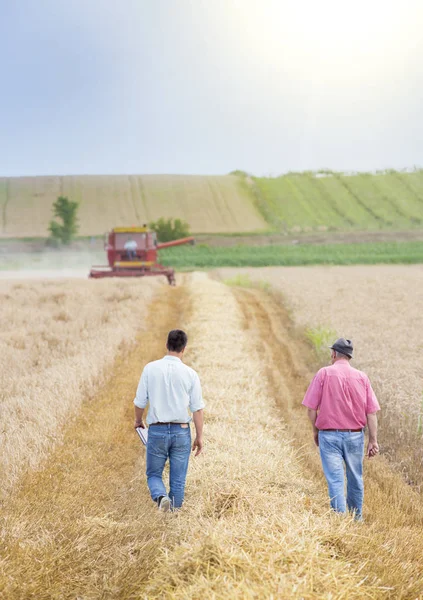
(255, 523)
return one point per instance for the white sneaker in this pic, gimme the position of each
(164, 504)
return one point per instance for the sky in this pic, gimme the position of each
(209, 86)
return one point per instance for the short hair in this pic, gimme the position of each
(176, 340)
(341, 355)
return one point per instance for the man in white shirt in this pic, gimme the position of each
(131, 248)
(170, 388)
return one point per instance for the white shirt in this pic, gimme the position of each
(131, 245)
(171, 388)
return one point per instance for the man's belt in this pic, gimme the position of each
(170, 423)
(350, 430)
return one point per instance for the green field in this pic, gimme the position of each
(192, 257)
(334, 201)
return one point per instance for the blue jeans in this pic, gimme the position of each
(171, 442)
(337, 448)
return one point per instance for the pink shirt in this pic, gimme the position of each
(342, 395)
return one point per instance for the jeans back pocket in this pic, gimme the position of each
(355, 443)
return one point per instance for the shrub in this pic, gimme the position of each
(66, 210)
(170, 229)
(239, 173)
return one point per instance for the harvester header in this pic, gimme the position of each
(132, 252)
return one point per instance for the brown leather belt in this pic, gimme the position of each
(171, 423)
(350, 430)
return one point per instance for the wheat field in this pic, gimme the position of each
(255, 523)
(57, 341)
(210, 204)
(381, 309)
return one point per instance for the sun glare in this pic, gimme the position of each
(326, 31)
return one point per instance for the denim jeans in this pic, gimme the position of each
(171, 442)
(336, 449)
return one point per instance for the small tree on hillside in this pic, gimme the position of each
(170, 229)
(66, 210)
(239, 173)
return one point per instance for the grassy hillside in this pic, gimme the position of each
(210, 204)
(335, 201)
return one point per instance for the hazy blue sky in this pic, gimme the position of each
(207, 86)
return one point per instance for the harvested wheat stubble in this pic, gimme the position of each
(381, 309)
(253, 525)
(57, 339)
(83, 525)
(388, 547)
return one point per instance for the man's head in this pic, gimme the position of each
(176, 341)
(342, 348)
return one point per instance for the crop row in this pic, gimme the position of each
(279, 255)
(304, 201)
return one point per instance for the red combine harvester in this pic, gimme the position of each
(132, 252)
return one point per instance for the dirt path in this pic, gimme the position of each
(390, 545)
(75, 529)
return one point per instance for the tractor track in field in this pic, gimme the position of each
(393, 512)
(72, 529)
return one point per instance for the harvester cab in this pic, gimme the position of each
(132, 252)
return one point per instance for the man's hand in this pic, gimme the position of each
(139, 422)
(316, 437)
(198, 422)
(373, 446)
(197, 445)
(372, 449)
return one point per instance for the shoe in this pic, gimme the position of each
(164, 503)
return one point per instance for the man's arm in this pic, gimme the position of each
(312, 400)
(141, 399)
(373, 446)
(196, 405)
(198, 418)
(372, 406)
(312, 415)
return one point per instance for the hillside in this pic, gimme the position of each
(336, 201)
(210, 204)
(292, 203)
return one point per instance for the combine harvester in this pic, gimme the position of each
(132, 252)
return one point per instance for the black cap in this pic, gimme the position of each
(343, 346)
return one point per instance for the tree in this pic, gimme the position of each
(66, 210)
(170, 229)
(239, 173)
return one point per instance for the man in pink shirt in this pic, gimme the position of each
(340, 403)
